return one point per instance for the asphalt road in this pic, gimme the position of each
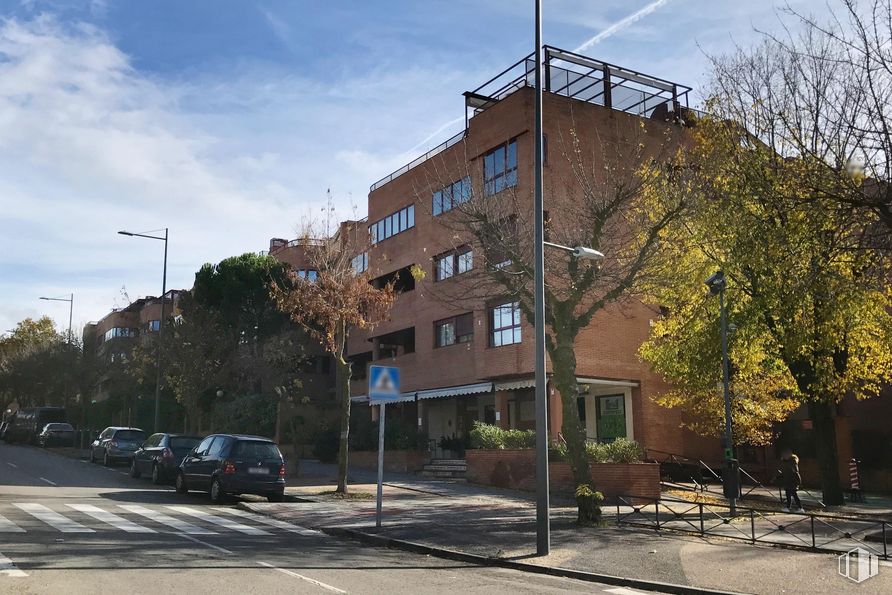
(68, 526)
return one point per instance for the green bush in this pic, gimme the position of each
(623, 450)
(493, 437)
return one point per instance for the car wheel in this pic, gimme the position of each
(217, 493)
(105, 460)
(182, 488)
(92, 456)
(157, 475)
(134, 470)
(276, 497)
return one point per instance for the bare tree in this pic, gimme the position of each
(821, 91)
(594, 198)
(333, 303)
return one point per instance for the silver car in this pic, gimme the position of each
(116, 444)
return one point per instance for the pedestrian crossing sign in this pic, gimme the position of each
(384, 384)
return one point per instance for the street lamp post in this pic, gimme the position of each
(730, 478)
(70, 300)
(160, 323)
(543, 522)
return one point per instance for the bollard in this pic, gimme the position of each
(855, 481)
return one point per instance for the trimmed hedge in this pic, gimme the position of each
(621, 450)
(495, 438)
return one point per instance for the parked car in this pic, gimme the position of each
(116, 444)
(232, 464)
(25, 424)
(3, 426)
(57, 434)
(161, 454)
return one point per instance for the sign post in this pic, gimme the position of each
(384, 387)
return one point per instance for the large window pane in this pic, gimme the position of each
(437, 203)
(465, 262)
(411, 211)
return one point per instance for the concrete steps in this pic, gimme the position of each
(451, 469)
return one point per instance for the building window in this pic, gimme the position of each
(392, 224)
(119, 332)
(459, 329)
(500, 168)
(451, 196)
(308, 274)
(154, 326)
(361, 263)
(504, 324)
(453, 263)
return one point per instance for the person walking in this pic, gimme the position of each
(791, 479)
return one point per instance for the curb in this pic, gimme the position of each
(607, 579)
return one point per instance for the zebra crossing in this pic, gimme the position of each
(32, 517)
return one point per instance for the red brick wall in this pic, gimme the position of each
(516, 469)
(395, 461)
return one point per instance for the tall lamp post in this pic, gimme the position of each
(730, 476)
(543, 522)
(160, 323)
(70, 300)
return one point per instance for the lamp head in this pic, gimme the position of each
(125, 233)
(716, 282)
(587, 253)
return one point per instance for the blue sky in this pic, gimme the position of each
(227, 120)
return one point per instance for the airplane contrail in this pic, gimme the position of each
(436, 132)
(621, 24)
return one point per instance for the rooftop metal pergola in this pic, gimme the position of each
(577, 77)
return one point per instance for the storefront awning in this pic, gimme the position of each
(456, 391)
(516, 384)
(403, 398)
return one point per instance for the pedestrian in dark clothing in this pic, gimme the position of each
(789, 473)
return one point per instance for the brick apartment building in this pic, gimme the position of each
(464, 362)
(468, 362)
(114, 336)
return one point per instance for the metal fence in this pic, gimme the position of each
(828, 533)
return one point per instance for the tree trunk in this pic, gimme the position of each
(825, 448)
(563, 362)
(342, 384)
(278, 431)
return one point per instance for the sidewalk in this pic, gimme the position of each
(501, 523)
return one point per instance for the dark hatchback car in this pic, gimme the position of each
(161, 454)
(116, 444)
(232, 464)
(56, 434)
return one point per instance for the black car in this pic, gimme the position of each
(4, 425)
(231, 464)
(60, 434)
(161, 454)
(115, 444)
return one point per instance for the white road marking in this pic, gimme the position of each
(52, 483)
(267, 521)
(54, 519)
(211, 545)
(13, 465)
(211, 518)
(124, 472)
(302, 577)
(160, 517)
(624, 591)
(7, 526)
(112, 519)
(9, 569)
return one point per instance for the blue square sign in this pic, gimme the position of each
(384, 384)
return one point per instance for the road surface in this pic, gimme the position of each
(69, 526)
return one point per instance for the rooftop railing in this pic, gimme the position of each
(577, 77)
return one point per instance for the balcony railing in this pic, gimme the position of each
(419, 160)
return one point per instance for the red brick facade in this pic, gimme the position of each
(516, 469)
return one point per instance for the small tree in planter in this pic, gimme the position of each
(588, 504)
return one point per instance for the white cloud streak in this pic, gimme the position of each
(621, 24)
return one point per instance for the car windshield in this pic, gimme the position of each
(183, 442)
(256, 450)
(59, 427)
(130, 435)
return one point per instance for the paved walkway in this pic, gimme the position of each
(501, 523)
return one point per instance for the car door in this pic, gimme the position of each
(192, 463)
(99, 443)
(207, 464)
(144, 454)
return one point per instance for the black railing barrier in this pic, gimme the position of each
(814, 532)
